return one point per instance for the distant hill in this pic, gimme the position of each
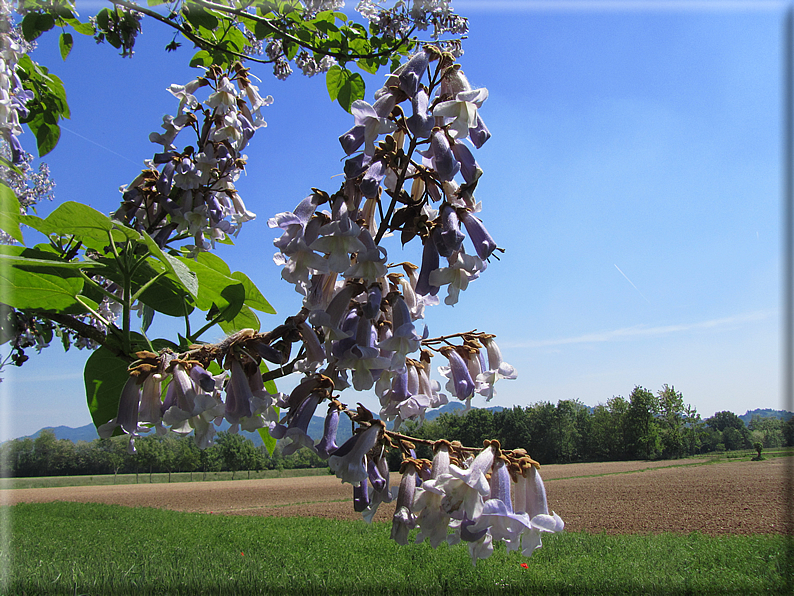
(766, 413)
(85, 433)
(88, 432)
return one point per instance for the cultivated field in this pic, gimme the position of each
(739, 497)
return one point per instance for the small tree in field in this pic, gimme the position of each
(758, 446)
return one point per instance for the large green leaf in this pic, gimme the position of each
(167, 297)
(9, 213)
(253, 297)
(213, 261)
(85, 223)
(46, 288)
(32, 259)
(105, 375)
(215, 288)
(244, 319)
(175, 268)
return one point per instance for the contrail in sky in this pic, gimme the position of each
(632, 284)
(98, 145)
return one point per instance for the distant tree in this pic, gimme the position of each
(788, 432)
(51, 457)
(671, 418)
(693, 429)
(583, 422)
(110, 455)
(210, 460)
(564, 432)
(725, 419)
(735, 439)
(169, 454)
(767, 429)
(148, 453)
(512, 425)
(188, 455)
(607, 429)
(641, 428)
(237, 452)
(709, 439)
(735, 435)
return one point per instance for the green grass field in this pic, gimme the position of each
(108, 479)
(75, 548)
(144, 478)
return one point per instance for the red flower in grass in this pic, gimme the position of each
(524, 565)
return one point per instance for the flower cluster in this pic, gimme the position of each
(405, 16)
(473, 497)
(191, 193)
(13, 96)
(363, 309)
(194, 399)
(412, 171)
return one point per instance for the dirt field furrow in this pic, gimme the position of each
(617, 498)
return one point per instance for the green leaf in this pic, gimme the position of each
(334, 79)
(105, 375)
(167, 297)
(9, 213)
(214, 262)
(244, 319)
(175, 268)
(253, 297)
(202, 58)
(36, 23)
(370, 65)
(43, 289)
(344, 86)
(81, 28)
(47, 136)
(270, 386)
(103, 19)
(200, 17)
(147, 318)
(28, 263)
(85, 223)
(214, 287)
(267, 440)
(160, 343)
(156, 2)
(353, 89)
(65, 44)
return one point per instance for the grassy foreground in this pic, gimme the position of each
(83, 548)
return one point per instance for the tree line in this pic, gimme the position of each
(644, 426)
(47, 456)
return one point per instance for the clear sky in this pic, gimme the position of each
(633, 177)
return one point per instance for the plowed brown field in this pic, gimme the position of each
(624, 497)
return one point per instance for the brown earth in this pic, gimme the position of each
(740, 497)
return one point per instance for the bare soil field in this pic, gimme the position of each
(739, 497)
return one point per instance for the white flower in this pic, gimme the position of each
(461, 111)
(531, 499)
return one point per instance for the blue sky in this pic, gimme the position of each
(633, 177)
